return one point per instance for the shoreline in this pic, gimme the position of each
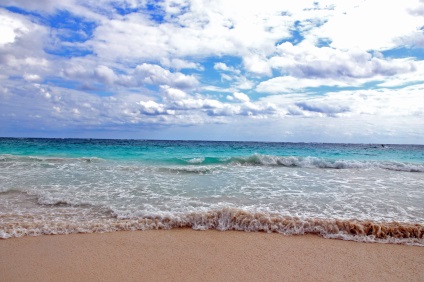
(189, 255)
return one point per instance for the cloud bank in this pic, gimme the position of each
(320, 71)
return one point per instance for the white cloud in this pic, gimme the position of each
(305, 60)
(305, 65)
(87, 72)
(21, 45)
(234, 76)
(11, 28)
(414, 39)
(257, 65)
(105, 74)
(173, 93)
(179, 64)
(154, 74)
(417, 10)
(241, 97)
(290, 84)
(241, 82)
(369, 25)
(55, 106)
(220, 66)
(200, 29)
(151, 108)
(403, 79)
(320, 107)
(380, 103)
(31, 77)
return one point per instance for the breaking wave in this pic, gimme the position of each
(309, 162)
(252, 160)
(226, 219)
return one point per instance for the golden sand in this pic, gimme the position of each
(188, 255)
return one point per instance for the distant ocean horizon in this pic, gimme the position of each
(360, 192)
(209, 140)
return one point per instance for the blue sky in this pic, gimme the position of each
(308, 71)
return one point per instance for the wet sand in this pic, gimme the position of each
(188, 255)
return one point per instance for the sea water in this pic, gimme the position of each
(362, 192)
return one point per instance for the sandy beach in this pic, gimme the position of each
(188, 255)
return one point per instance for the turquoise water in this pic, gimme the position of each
(345, 191)
(212, 152)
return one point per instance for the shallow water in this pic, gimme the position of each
(359, 192)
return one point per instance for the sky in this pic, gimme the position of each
(285, 71)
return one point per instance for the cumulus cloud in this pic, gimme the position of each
(241, 97)
(257, 65)
(305, 66)
(179, 64)
(10, 28)
(405, 79)
(21, 45)
(151, 108)
(220, 66)
(89, 72)
(380, 103)
(173, 93)
(309, 61)
(364, 25)
(105, 74)
(195, 29)
(417, 10)
(154, 74)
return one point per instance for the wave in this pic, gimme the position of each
(227, 219)
(307, 162)
(252, 160)
(189, 169)
(199, 161)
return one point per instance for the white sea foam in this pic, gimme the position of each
(256, 159)
(314, 162)
(225, 219)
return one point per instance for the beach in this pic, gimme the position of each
(188, 255)
(158, 210)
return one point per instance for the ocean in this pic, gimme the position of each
(360, 192)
